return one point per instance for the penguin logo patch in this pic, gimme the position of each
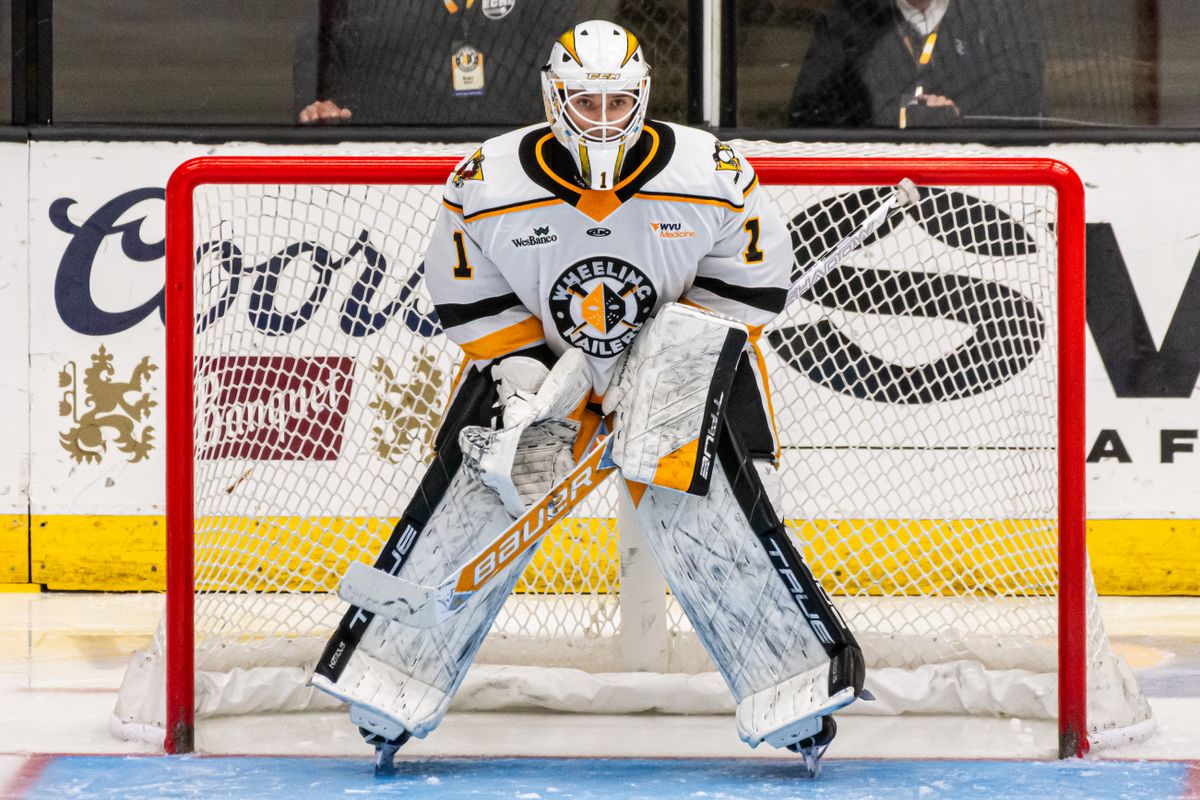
(599, 304)
(726, 159)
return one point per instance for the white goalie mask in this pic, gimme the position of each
(595, 86)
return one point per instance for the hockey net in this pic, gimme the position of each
(928, 396)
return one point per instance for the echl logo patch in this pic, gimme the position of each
(600, 303)
(497, 9)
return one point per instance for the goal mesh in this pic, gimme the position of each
(915, 390)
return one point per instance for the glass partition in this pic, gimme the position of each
(369, 62)
(969, 63)
(176, 61)
(465, 62)
(876, 64)
(5, 61)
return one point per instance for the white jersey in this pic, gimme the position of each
(521, 255)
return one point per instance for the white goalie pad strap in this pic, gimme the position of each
(742, 611)
(494, 454)
(668, 395)
(406, 676)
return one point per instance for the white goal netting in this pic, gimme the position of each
(915, 393)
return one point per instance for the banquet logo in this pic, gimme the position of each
(272, 408)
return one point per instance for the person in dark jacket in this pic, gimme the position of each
(426, 62)
(920, 63)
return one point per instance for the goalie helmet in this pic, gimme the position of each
(595, 86)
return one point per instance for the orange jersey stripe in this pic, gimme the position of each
(755, 333)
(522, 334)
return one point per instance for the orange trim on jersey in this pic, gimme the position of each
(649, 157)
(750, 186)
(689, 198)
(755, 332)
(458, 376)
(450, 206)
(495, 212)
(522, 334)
(597, 203)
(589, 423)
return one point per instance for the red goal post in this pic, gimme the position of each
(431, 171)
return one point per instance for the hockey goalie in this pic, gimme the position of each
(608, 279)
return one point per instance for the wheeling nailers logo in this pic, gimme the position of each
(672, 230)
(600, 303)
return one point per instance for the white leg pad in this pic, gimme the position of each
(404, 676)
(743, 613)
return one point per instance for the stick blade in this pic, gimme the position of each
(389, 596)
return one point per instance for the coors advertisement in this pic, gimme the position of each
(96, 277)
(272, 408)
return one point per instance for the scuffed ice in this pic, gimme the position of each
(108, 778)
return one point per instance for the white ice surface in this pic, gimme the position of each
(62, 657)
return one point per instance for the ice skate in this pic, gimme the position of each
(385, 750)
(813, 748)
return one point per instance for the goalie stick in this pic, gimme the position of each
(424, 606)
(903, 195)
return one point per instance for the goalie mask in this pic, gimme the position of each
(595, 86)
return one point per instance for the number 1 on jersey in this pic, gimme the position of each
(462, 270)
(752, 254)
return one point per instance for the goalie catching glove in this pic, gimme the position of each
(522, 460)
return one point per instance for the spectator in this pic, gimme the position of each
(914, 63)
(426, 62)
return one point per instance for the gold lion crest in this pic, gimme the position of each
(111, 415)
(407, 407)
(726, 159)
